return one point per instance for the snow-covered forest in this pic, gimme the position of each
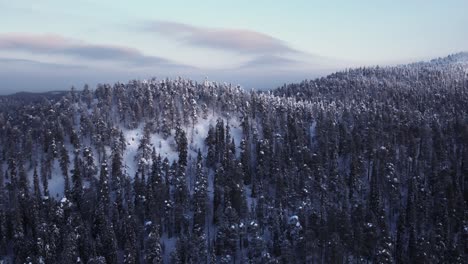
(367, 165)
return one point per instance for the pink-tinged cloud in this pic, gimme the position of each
(234, 40)
(57, 45)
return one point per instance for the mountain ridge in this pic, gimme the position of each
(362, 165)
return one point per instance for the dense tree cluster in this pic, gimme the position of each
(364, 165)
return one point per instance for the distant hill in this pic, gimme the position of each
(457, 58)
(29, 96)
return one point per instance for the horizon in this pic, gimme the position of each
(47, 46)
(201, 79)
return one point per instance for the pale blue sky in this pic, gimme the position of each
(50, 44)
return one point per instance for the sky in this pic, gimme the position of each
(53, 45)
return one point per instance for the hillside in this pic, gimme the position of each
(364, 165)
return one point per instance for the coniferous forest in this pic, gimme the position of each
(366, 165)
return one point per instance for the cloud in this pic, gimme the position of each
(36, 76)
(270, 61)
(27, 63)
(49, 44)
(234, 40)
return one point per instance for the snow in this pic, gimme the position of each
(168, 245)
(250, 199)
(196, 135)
(56, 184)
(313, 127)
(294, 218)
(164, 147)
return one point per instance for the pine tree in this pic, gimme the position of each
(153, 253)
(144, 148)
(69, 244)
(106, 244)
(130, 250)
(181, 140)
(3, 206)
(200, 194)
(116, 172)
(89, 168)
(210, 141)
(245, 161)
(104, 194)
(37, 190)
(77, 192)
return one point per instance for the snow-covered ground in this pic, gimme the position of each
(196, 136)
